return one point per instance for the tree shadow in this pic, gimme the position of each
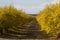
(29, 35)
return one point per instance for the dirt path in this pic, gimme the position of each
(33, 31)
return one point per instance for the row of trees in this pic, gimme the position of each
(49, 19)
(11, 17)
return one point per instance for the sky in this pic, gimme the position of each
(28, 6)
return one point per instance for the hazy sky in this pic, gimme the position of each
(29, 6)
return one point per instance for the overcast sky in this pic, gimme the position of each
(29, 6)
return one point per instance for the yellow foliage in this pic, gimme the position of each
(49, 19)
(11, 17)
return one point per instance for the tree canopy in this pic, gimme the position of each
(49, 19)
